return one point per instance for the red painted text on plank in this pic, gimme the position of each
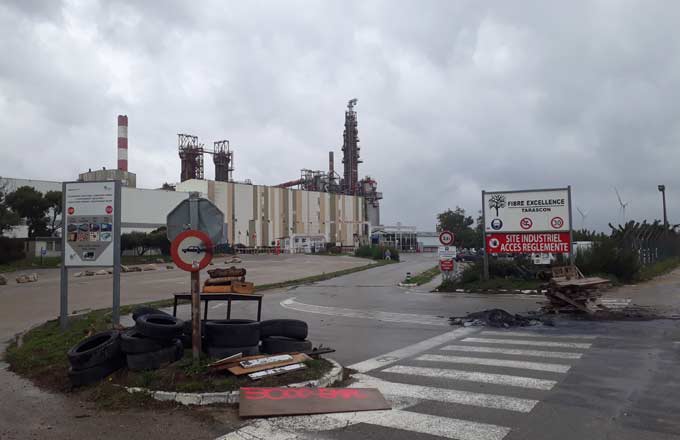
(301, 393)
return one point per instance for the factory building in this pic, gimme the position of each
(258, 215)
(319, 208)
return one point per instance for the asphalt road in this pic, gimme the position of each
(594, 380)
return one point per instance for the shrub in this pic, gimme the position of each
(11, 249)
(607, 258)
(376, 252)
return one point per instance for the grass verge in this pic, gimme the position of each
(41, 358)
(425, 276)
(659, 268)
(494, 284)
(35, 263)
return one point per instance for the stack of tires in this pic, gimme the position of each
(94, 358)
(227, 337)
(155, 340)
(284, 336)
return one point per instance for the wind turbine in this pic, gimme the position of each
(623, 205)
(583, 217)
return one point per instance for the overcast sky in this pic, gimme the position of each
(454, 96)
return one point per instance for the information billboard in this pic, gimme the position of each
(527, 211)
(90, 218)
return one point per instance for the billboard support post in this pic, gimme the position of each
(486, 254)
(115, 315)
(572, 257)
(63, 294)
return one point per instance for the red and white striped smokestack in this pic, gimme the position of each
(122, 142)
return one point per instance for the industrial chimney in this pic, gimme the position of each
(122, 142)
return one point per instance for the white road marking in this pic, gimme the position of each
(514, 351)
(288, 428)
(582, 345)
(411, 350)
(365, 314)
(537, 366)
(447, 395)
(434, 425)
(537, 335)
(471, 376)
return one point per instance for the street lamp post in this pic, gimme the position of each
(662, 188)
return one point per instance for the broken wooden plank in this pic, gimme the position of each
(276, 371)
(265, 360)
(565, 298)
(297, 358)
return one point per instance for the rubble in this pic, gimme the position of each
(3, 280)
(497, 318)
(102, 272)
(30, 278)
(169, 267)
(149, 267)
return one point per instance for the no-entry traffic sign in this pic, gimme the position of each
(192, 250)
(446, 238)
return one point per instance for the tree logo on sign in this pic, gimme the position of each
(497, 201)
(526, 223)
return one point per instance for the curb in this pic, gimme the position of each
(231, 397)
(407, 285)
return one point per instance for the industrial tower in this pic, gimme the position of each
(223, 158)
(350, 151)
(191, 154)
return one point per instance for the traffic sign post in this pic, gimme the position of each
(193, 226)
(446, 252)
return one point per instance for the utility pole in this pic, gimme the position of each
(662, 188)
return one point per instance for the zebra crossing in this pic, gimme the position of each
(464, 385)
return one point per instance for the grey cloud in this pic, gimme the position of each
(454, 97)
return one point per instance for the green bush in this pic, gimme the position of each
(606, 258)
(376, 252)
(11, 249)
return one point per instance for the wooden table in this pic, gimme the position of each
(229, 297)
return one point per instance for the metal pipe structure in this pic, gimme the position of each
(350, 151)
(662, 188)
(123, 142)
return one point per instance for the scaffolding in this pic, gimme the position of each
(350, 151)
(223, 158)
(191, 155)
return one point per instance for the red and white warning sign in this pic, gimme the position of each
(446, 265)
(526, 243)
(191, 250)
(446, 238)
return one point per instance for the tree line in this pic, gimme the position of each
(39, 210)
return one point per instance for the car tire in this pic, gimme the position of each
(95, 350)
(160, 326)
(96, 373)
(133, 342)
(290, 328)
(155, 359)
(144, 310)
(280, 344)
(223, 352)
(232, 333)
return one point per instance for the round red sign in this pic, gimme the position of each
(526, 223)
(556, 222)
(71, 210)
(191, 250)
(446, 238)
(109, 209)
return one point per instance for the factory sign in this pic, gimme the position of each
(528, 243)
(90, 223)
(527, 211)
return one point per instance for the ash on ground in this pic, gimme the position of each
(498, 318)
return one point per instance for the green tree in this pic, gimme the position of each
(54, 199)
(8, 218)
(461, 225)
(31, 205)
